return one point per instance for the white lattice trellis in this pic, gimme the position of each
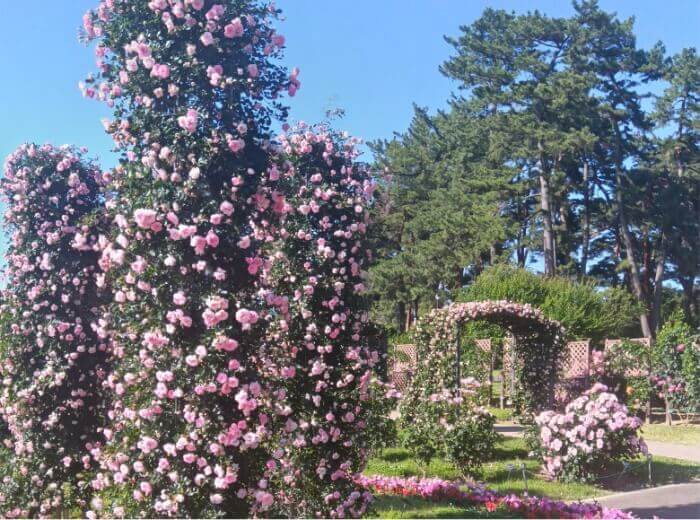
(403, 366)
(483, 344)
(576, 362)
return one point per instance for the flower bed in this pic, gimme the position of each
(437, 490)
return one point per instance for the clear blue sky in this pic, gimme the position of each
(373, 58)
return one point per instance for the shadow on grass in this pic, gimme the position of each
(394, 455)
(663, 471)
(412, 507)
(508, 448)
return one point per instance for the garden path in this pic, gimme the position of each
(674, 501)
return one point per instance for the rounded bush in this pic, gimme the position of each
(451, 424)
(593, 434)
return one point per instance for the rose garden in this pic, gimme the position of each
(193, 333)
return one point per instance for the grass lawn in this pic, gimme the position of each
(501, 414)
(678, 434)
(411, 507)
(499, 476)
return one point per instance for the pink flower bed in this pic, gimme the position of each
(438, 490)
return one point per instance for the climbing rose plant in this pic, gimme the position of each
(53, 353)
(539, 343)
(241, 370)
(593, 434)
(672, 355)
(439, 412)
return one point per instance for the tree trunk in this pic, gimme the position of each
(401, 316)
(586, 246)
(548, 231)
(658, 285)
(493, 254)
(635, 278)
(409, 316)
(628, 242)
(521, 250)
(689, 304)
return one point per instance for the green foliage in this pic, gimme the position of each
(548, 151)
(422, 439)
(666, 354)
(623, 368)
(451, 425)
(380, 427)
(675, 360)
(470, 442)
(690, 372)
(584, 310)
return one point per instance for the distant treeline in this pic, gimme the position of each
(566, 145)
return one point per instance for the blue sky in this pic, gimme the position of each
(373, 58)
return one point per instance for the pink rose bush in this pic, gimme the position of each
(594, 432)
(239, 378)
(438, 490)
(241, 374)
(450, 423)
(53, 353)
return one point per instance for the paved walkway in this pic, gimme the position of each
(674, 501)
(664, 449)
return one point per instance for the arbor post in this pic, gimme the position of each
(459, 359)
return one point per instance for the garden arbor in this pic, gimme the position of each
(539, 345)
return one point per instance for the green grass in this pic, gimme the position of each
(496, 387)
(497, 473)
(397, 462)
(678, 434)
(501, 414)
(410, 507)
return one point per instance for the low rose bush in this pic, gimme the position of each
(451, 424)
(593, 434)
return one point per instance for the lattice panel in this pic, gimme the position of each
(483, 344)
(403, 365)
(409, 351)
(634, 372)
(576, 361)
(400, 379)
